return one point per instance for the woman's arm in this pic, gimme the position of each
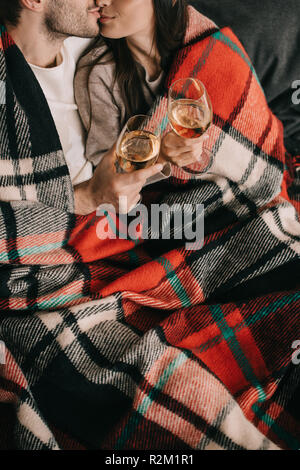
(100, 113)
(105, 125)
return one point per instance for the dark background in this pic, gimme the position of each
(270, 33)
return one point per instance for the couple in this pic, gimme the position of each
(119, 77)
(116, 344)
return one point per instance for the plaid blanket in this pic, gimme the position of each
(124, 344)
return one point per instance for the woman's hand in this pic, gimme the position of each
(106, 187)
(180, 151)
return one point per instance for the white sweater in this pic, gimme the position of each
(57, 84)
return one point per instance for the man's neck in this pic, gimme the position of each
(36, 45)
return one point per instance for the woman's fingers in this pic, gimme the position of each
(181, 151)
(181, 158)
(193, 152)
(185, 145)
(174, 141)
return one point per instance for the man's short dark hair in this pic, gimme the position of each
(10, 11)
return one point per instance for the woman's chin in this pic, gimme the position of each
(109, 35)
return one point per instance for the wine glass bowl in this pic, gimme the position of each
(190, 114)
(138, 145)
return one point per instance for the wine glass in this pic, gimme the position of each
(138, 146)
(190, 114)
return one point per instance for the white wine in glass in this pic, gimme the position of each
(190, 113)
(138, 146)
(189, 119)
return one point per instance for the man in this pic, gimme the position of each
(39, 28)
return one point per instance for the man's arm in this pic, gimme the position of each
(106, 186)
(83, 198)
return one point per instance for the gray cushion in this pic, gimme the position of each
(270, 32)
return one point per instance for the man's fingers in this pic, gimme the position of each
(142, 175)
(126, 204)
(114, 148)
(135, 203)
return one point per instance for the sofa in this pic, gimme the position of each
(270, 33)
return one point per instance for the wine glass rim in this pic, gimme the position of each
(188, 78)
(143, 116)
(152, 120)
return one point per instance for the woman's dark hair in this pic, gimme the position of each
(171, 23)
(10, 11)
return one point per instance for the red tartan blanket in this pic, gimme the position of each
(124, 344)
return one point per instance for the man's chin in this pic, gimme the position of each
(96, 31)
(87, 34)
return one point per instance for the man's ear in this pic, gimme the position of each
(33, 5)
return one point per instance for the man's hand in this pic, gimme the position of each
(180, 151)
(106, 186)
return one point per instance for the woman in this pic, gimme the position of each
(147, 44)
(141, 37)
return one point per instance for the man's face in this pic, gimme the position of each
(72, 18)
